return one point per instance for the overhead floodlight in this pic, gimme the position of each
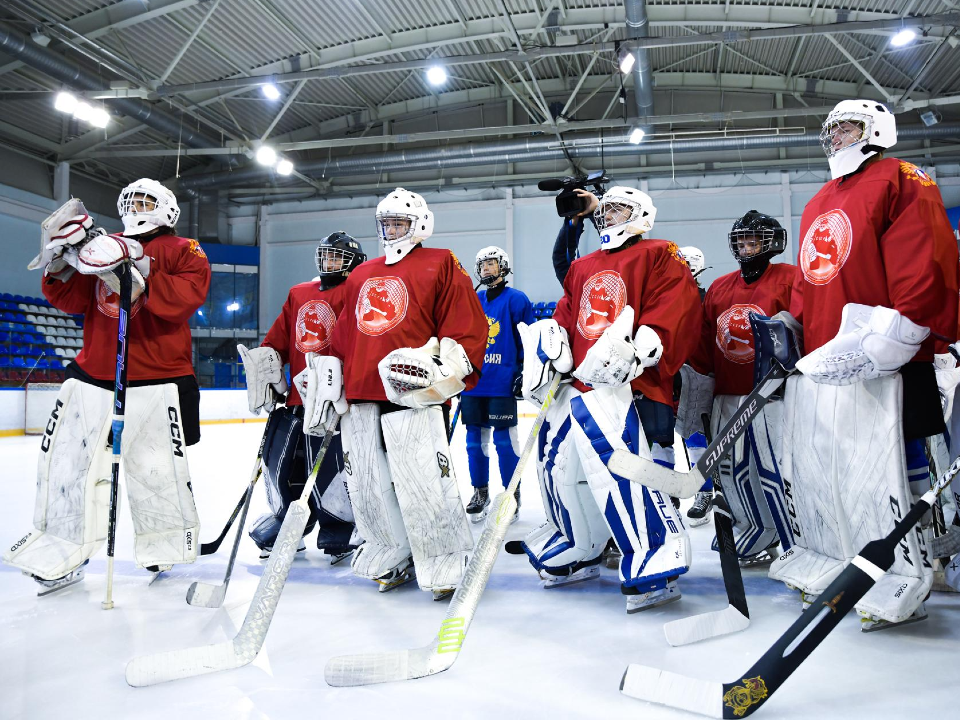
(284, 167)
(270, 91)
(627, 61)
(903, 37)
(83, 111)
(436, 75)
(636, 137)
(99, 118)
(65, 102)
(266, 155)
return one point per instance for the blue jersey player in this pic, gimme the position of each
(489, 410)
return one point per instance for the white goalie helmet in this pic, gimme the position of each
(854, 131)
(146, 205)
(622, 213)
(404, 211)
(493, 253)
(695, 259)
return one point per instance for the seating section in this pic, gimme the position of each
(544, 310)
(37, 341)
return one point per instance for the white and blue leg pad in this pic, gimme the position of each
(643, 521)
(574, 530)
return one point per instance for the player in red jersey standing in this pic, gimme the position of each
(171, 278)
(878, 288)
(305, 325)
(627, 321)
(411, 335)
(721, 372)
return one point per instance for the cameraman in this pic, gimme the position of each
(566, 247)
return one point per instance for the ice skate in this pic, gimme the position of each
(479, 504)
(395, 578)
(265, 551)
(654, 598)
(578, 573)
(444, 594)
(47, 587)
(699, 512)
(611, 555)
(761, 559)
(871, 623)
(155, 571)
(338, 556)
(516, 513)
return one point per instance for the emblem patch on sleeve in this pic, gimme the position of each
(915, 173)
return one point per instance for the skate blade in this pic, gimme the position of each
(339, 558)
(478, 517)
(58, 588)
(698, 522)
(564, 582)
(659, 603)
(884, 625)
(387, 586)
(439, 595)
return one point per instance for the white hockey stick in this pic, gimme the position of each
(245, 646)
(442, 652)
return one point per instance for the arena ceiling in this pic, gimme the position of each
(182, 81)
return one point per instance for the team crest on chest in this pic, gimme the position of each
(826, 247)
(108, 302)
(315, 321)
(734, 335)
(493, 329)
(604, 296)
(381, 305)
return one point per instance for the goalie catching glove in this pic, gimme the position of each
(872, 342)
(103, 254)
(546, 351)
(614, 360)
(264, 371)
(430, 375)
(320, 384)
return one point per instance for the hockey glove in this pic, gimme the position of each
(102, 254)
(614, 360)
(546, 351)
(430, 375)
(264, 369)
(325, 398)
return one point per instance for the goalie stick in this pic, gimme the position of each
(202, 594)
(751, 690)
(245, 645)
(736, 616)
(684, 485)
(443, 651)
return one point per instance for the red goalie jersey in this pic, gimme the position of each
(426, 294)
(654, 280)
(158, 339)
(305, 324)
(878, 237)
(726, 340)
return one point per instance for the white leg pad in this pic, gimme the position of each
(165, 522)
(419, 458)
(372, 495)
(73, 485)
(643, 522)
(575, 530)
(844, 455)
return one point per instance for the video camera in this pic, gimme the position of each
(569, 204)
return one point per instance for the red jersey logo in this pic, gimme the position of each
(734, 335)
(604, 296)
(108, 302)
(382, 304)
(826, 247)
(315, 321)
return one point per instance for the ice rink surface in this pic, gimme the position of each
(530, 653)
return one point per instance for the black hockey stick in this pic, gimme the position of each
(456, 416)
(683, 485)
(735, 617)
(119, 405)
(751, 690)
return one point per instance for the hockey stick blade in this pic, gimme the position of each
(751, 690)
(443, 651)
(705, 626)
(245, 646)
(636, 469)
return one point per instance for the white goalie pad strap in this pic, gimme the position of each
(53, 240)
(419, 458)
(643, 522)
(752, 481)
(872, 342)
(575, 530)
(844, 460)
(73, 485)
(372, 495)
(430, 375)
(165, 523)
(696, 399)
(263, 369)
(546, 350)
(325, 397)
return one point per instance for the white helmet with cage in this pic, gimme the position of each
(492, 252)
(695, 259)
(404, 211)
(622, 213)
(854, 131)
(146, 205)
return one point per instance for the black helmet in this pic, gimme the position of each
(340, 251)
(773, 241)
